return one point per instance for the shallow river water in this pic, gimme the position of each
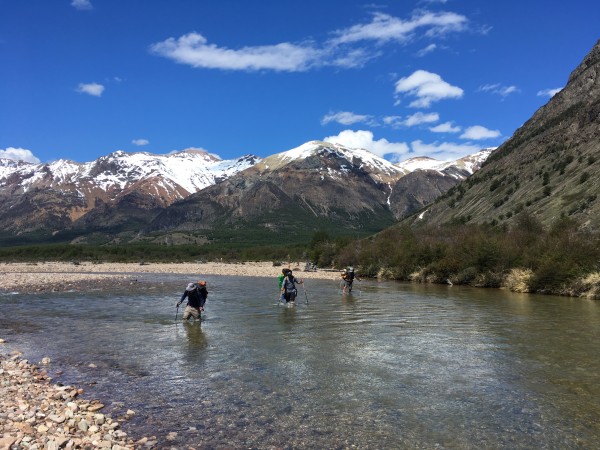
(391, 366)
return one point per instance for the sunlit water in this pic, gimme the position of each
(390, 366)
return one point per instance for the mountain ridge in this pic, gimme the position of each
(128, 191)
(549, 168)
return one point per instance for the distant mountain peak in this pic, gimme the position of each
(470, 163)
(357, 157)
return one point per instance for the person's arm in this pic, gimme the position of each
(203, 297)
(185, 293)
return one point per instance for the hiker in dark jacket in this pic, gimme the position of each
(348, 277)
(196, 294)
(288, 287)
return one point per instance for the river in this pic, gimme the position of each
(390, 366)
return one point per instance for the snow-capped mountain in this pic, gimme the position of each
(178, 174)
(313, 184)
(60, 193)
(381, 169)
(469, 163)
(316, 183)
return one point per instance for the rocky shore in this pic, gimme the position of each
(37, 414)
(62, 276)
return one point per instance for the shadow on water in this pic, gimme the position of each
(390, 366)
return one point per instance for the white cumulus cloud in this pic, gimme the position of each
(94, 89)
(19, 154)
(549, 92)
(478, 132)
(427, 87)
(140, 142)
(82, 4)
(446, 127)
(365, 139)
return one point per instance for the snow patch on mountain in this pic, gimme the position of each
(192, 170)
(470, 163)
(361, 158)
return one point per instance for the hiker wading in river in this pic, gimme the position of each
(196, 294)
(288, 287)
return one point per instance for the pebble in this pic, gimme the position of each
(38, 415)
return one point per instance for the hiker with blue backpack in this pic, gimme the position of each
(288, 287)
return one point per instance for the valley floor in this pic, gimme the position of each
(62, 276)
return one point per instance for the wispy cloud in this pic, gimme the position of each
(427, 87)
(348, 48)
(478, 132)
(346, 118)
(140, 142)
(19, 154)
(418, 118)
(365, 139)
(425, 51)
(442, 150)
(82, 5)
(446, 127)
(549, 92)
(421, 118)
(94, 89)
(193, 49)
(384, 27)
(498, 89)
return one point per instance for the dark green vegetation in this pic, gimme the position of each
(231, 243)
(525, 257)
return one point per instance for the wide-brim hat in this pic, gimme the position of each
(190, 287)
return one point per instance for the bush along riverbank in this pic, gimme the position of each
(38, 414)
(562, 259)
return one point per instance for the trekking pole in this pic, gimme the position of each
(176, 311)
(305, 296)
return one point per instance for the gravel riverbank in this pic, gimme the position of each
(38, 414)
(61, 276)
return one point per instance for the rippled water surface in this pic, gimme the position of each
(391, 366)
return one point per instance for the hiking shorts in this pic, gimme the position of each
(191, 311)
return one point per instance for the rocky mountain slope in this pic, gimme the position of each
(116, 190)
(550, 167)
(316, 185)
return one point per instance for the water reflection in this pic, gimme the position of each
(389, 366)
(195, 336)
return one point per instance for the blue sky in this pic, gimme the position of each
(443, 78)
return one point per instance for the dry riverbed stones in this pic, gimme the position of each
(36, 414)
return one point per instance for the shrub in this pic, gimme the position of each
(466, 276)
(518, 280)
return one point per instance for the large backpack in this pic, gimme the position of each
(289, 284)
